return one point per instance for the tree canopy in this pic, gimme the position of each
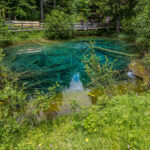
(133, 15)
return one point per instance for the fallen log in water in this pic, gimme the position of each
(117, 52)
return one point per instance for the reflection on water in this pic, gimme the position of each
(76, 83)
(81, 98)
(61, 104)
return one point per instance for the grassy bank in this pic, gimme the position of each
(36, 36)
(21, 37)
(122, 124)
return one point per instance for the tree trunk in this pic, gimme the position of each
(118, 25)
(42, 13)
(9, 16)
(54, 4)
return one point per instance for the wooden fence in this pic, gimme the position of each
(18, 26)
(92, 26)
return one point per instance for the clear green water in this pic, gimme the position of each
(41, 66)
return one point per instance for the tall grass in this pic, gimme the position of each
(123, 124)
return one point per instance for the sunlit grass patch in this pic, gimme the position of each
(125, 124)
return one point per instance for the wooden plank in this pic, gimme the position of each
(20, 22)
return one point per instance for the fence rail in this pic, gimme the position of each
(92, 26)
(18, 26)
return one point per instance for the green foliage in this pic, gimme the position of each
(82, 7)
(74, 105)
(60, 26)
(128, 28)
(4, 33)
(138, 24)
(21, 37)
(146, 61)
(17, 109)
(105, 80)
(123, 122)
(115, 121)
(102, 75)
(20, 8)
(1, 55)
(142, 23)
(3, 71)
(126, 37)
(12, 103)
(24, 35)
(88, 119)
(117, 9)
(17, 112)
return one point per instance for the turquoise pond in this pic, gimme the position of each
(42, 65)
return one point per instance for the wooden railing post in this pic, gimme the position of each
(22, 26)
(32, 26)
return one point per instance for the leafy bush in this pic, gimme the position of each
(105, 80)
(18, 113)
(60, 25)
(4, 34)
(146, 61)
(126, 37)
(12, 102)
(24, 35)
(102, 76)
(142, 23)
(3, 29)
(17, 109)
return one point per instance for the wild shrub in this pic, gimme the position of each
(139, 25)
(60, 25)
(126, 37)
(18, 109)
(105, 81)
(4, 33)
(24, 35)
(3, 28)
(146, 61)
(103, 76)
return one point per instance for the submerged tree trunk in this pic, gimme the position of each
(118, 25)
(42, 14)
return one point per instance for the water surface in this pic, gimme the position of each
(41, 66)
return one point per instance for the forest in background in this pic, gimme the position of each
(131, 16)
